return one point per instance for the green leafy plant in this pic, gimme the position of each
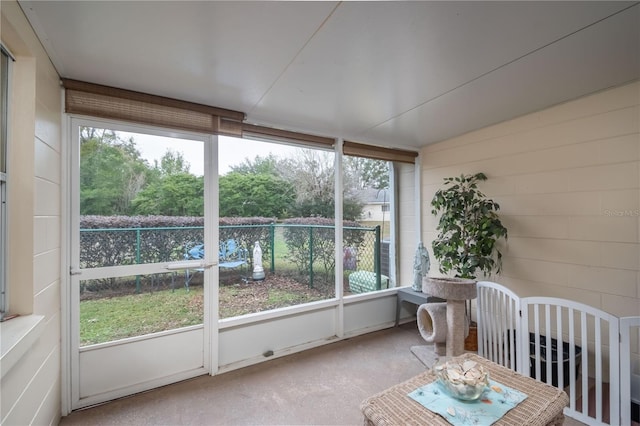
(469, 228)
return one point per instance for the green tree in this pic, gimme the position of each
(268, 165)
(111, 172)
(172, 163)
(172, 190)
(312, 173)
(361, 173)
(177, 194)
(250, 195)
(311, 177)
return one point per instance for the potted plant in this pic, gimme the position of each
(468, 230)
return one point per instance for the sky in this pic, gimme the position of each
(231, 151)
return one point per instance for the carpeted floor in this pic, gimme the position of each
(320, 386)
(324, 386)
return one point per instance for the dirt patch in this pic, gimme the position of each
(274, 291)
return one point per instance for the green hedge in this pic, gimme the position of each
(128, 240)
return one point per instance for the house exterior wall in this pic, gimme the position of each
(31, 388)
(568, 182)
(372, 212)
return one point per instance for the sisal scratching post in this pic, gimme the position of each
(455, 291)
(455, 331)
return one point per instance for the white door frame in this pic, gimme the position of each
(70, 298)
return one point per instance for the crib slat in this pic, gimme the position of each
(491, 342)
(598, 354)
(585, 363)
(494, 327)
(625, 368)
(548, 353)
(572, 355)
(536, 335)
(511, 335)
(614, 368)
(560, 349)
(479, 315)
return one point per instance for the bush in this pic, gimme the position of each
(303, 253)
(129, 240)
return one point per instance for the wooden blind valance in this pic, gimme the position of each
(349, 148)
(378, 153)
(252, 130)
(120, 104)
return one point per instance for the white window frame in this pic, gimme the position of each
(5, 75)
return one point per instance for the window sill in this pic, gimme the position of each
(17, 335)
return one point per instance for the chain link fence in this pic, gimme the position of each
(305, 252)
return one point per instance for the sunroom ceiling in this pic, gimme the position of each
(397, 74)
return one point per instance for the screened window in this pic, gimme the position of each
(4, 85)
(367, 236)
(277, 202)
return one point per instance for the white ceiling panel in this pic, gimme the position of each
(597, 58)
(373, 61)
(389, 73)
(221, 53)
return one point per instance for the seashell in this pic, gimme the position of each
(468, 365)
(454, 375)
(472, 374)
(451, 411)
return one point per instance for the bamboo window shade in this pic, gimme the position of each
(271, 133)
(378, 153)
(349, 148)
(109, 102)
(120, 104)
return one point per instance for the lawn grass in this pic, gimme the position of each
(281, 252)
(114, 318)
(385, 227)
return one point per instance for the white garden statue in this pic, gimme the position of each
(258, 270)
(420, 266)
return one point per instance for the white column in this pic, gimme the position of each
(339, 270)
